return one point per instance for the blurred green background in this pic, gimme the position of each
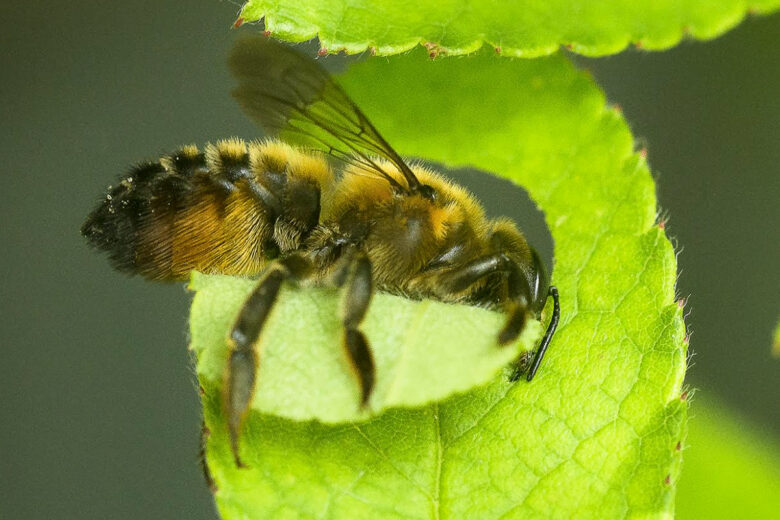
(100, 414)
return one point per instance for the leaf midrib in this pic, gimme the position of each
(439, 461)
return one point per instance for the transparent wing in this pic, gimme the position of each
(289, 94)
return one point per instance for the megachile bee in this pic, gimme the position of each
(278, 211)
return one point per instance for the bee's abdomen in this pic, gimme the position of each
(223, 211)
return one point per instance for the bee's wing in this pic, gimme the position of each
(288, 93)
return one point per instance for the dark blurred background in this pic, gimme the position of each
(100, 414)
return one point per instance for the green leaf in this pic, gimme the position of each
(526, 28)
(595, 434)
(731, 470)
(303, 369)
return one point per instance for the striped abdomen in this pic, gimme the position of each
(223, 211)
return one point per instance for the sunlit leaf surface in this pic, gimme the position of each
(595, 435)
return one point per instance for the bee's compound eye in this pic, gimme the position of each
(427, 192)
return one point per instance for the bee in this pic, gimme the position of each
(284, 213)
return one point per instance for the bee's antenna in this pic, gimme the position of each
(553, 291)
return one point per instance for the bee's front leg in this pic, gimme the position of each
(533, 366)
(515, 296)
(464, 277)
(242, 365)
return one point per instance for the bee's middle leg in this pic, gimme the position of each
(356, 278)
(242, 365)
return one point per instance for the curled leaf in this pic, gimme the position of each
(424, 351)
(526, 28)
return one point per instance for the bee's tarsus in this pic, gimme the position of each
(362, 361)
(242, 368)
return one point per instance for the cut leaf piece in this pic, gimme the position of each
(595, 434)
(423, 351)
(526, 28)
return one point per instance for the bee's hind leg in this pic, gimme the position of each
(242, 365)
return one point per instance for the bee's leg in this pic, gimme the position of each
(518, 294)
(517, 307)
(462, 278)
(242, 365)
(533, 366)
(355, 276)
